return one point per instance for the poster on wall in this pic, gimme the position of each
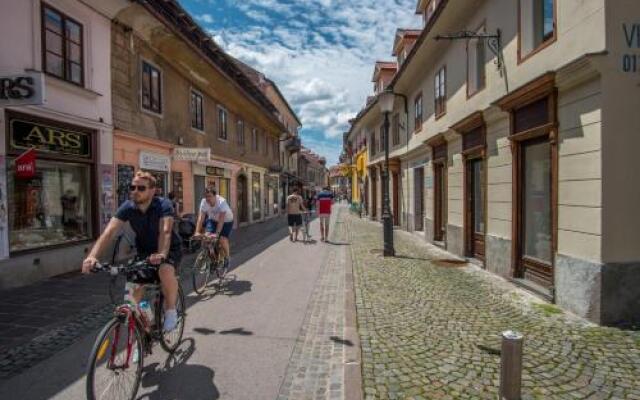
(107, 201)
(4, 226)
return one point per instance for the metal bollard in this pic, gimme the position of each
(511, 366)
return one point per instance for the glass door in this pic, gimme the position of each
(440, 203)
(475, 208)
(536, 230)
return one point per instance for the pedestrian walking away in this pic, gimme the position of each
(295, 207)
(151, 218)
(325, 201)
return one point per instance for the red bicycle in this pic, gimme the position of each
(116, 360)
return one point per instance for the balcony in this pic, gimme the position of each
(293, 144)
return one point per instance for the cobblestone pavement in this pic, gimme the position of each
(316, 368)
(38, 320)
(430, 330)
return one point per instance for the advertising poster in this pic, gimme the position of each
(107, 200)
(4, 225)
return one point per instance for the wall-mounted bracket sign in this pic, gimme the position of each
(41, 137)
(155, 162)
(192, 154)
(22, 89)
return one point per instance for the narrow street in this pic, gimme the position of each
(282, 314)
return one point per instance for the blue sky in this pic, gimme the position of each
(320, 53)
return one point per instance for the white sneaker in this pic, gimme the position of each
(170, 320)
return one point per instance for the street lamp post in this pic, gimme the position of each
(385, 101)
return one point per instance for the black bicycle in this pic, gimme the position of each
(117, 358)
(209, 263)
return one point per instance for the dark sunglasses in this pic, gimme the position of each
(140, 188)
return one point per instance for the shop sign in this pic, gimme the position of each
(27, 134)
(428, 182)
(26, 165)
(154, 161)
(192, 154)
(215, 171)
(22, 89)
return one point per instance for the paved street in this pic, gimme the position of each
(278, 327)
(429, 329)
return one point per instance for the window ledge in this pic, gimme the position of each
(72, 87)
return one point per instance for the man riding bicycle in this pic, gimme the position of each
(151, 218)
(217, 216)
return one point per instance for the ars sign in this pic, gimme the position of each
(22, 89)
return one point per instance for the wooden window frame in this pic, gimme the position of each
(545, 43)
(150, 109)
(418, 118)
(470, 94)
(65, 60)
(240, 132)
(440, 86)
(223, 129)
(395, 123)
(255, 145)
(541, 88)
(195, 93)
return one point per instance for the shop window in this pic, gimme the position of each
(537, 25)
(417, 112)
(240, 132)
(197, 111)
(476, 59)
(440, 96)
(372, 147)
(266, 144)
(257, 198)
(222, 123)
(52, 208)
(151, 88)
(125, 176)
(62, 47)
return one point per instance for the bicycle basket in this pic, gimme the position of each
(144, 276)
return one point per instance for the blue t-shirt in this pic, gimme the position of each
(147, 225)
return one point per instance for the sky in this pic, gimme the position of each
(320, 53)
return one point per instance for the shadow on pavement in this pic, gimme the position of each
(178, 380)
(338, 243)
(75, 289)
(343, 342)
(236, 331)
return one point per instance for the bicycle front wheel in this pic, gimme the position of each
(171, 340)
(201, 272)
(113, 371)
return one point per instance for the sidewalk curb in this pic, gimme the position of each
(353, 355)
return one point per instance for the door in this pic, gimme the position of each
(475, 208)
(396, 198)
(418, 201)
(198, 191)
(243, 215)
(440, 194)
(535, 263)
(374, 196)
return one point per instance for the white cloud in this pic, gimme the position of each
(206, 18)
(321, 53)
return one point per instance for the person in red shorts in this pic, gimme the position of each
(324, 202)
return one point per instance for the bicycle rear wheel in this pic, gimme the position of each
(171, 340)
(110, 375)
(201, 272)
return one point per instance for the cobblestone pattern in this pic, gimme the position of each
(316, 367)
(430, 330)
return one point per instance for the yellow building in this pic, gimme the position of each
(358, 178)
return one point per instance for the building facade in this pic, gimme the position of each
(194, 123)
(56, 100)
(518, 149)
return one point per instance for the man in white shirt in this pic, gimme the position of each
(217, 217)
